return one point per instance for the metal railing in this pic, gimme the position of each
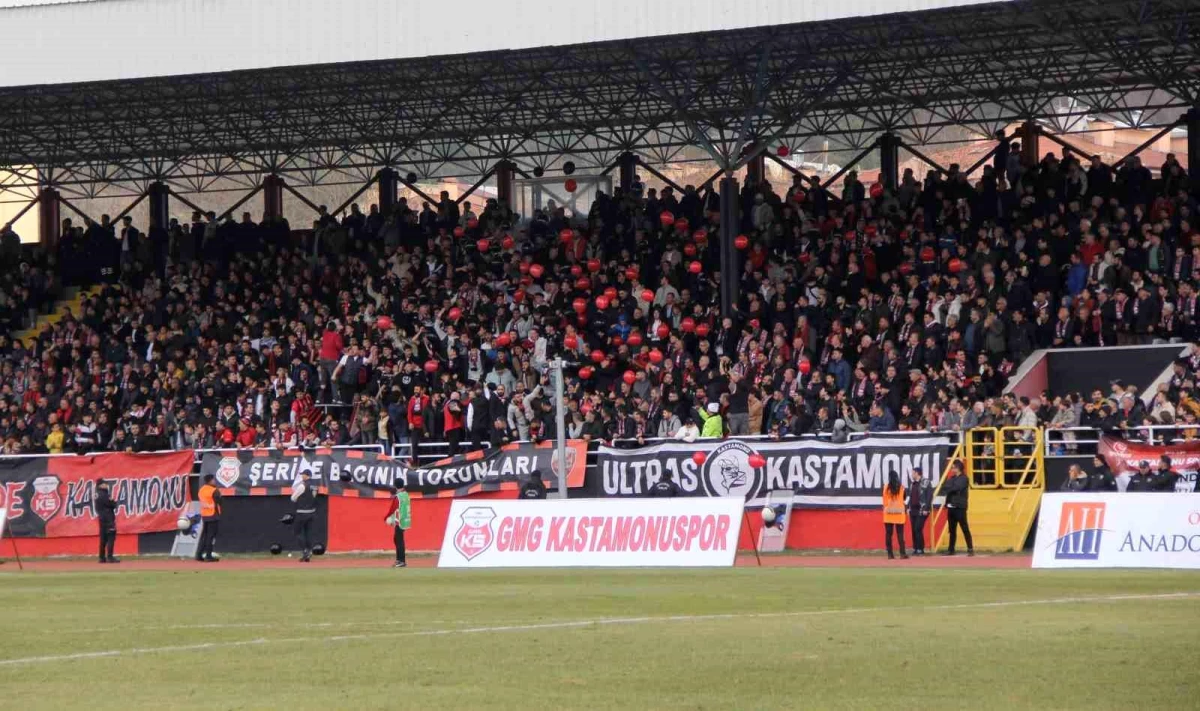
(1068, 441)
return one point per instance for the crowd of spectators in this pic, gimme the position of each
(872, 310)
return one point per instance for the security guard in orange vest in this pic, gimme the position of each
(210, 514)
(893, 514)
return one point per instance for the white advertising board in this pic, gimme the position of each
(555, 533)
(1117, 530)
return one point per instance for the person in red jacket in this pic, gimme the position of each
(452, 419)
(418, 404)
(246, 435)
(331, 352)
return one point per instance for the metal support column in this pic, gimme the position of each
(1192, 121)
(159, 196)
(48, 216)
(505, 170)
(272, 197)
(389, 180)
(1029, 143)
(889, 160)
(756, 169)
(628, 171)
(730, 258)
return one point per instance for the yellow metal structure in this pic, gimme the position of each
(1007, 473)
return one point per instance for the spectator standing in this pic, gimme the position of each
(957, 490)
(920, 504)
(894, 514)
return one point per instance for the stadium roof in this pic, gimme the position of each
(980, 66)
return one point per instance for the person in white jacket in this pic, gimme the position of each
(688, 432)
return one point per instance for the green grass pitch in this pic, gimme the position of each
(745, 638)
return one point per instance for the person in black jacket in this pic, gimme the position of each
(1164, 478)
(1077, 479)
(305, 496)
(533, 488)
(106, 514)
(1141, 480)
(920, 503)
(957, 491)
(665, 487)
(1101, 478)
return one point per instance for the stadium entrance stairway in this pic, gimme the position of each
(71, 304)
(1007, 476)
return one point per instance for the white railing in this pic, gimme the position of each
(1065, 441)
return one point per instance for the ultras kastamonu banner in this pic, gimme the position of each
(344, 472)
(52, 497)
(819, 473)
(1123, 457)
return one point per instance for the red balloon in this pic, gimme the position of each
(701, 235)
(663, 331)
(610, 292)
(695, 267)
(629, 377)
(617, 341)
(523, 267)
(503, 340)
(631, 273)
(756, 460)
(593, 265)
(519, 295)
(482, 245)
(472, 223)
(454, 313)
(458, 232)
(782, 151)
(698, 457)
(571, 185)
(687, 325)
(703, 329)
(906, 268)
(571, 342)
(431, 366)
(876, 190)
(656, 356)
(602, 302)
(666, 218)
(576, 270)
(580, 305)
(507, 242)
(956, 265)
(689, 250)
(384, 323)
(647, 295)
(741, 241)
(585, 372)
(583, 283)
(526, 280)
(805, 366)
(536, 271)
(634, 340)
(597, 356)
(851, 235)
(681, 224)
(928, 254)
(872, 230)
(567, 234)
(754, 323)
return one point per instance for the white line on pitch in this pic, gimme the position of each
(573, 624)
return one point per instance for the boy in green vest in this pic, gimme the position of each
(399, 517)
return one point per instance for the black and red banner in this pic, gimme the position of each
(1123, 457)
(348, 472)
(51, 497)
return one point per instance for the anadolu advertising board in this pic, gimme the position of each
(562, 533)
(1117, 530)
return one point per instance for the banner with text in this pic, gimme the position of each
(349, 472)
(1115, 530)
(51, 497)
(819, 473)
(561, 533)
(1124, 455)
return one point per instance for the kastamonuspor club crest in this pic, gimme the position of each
(475, 535)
